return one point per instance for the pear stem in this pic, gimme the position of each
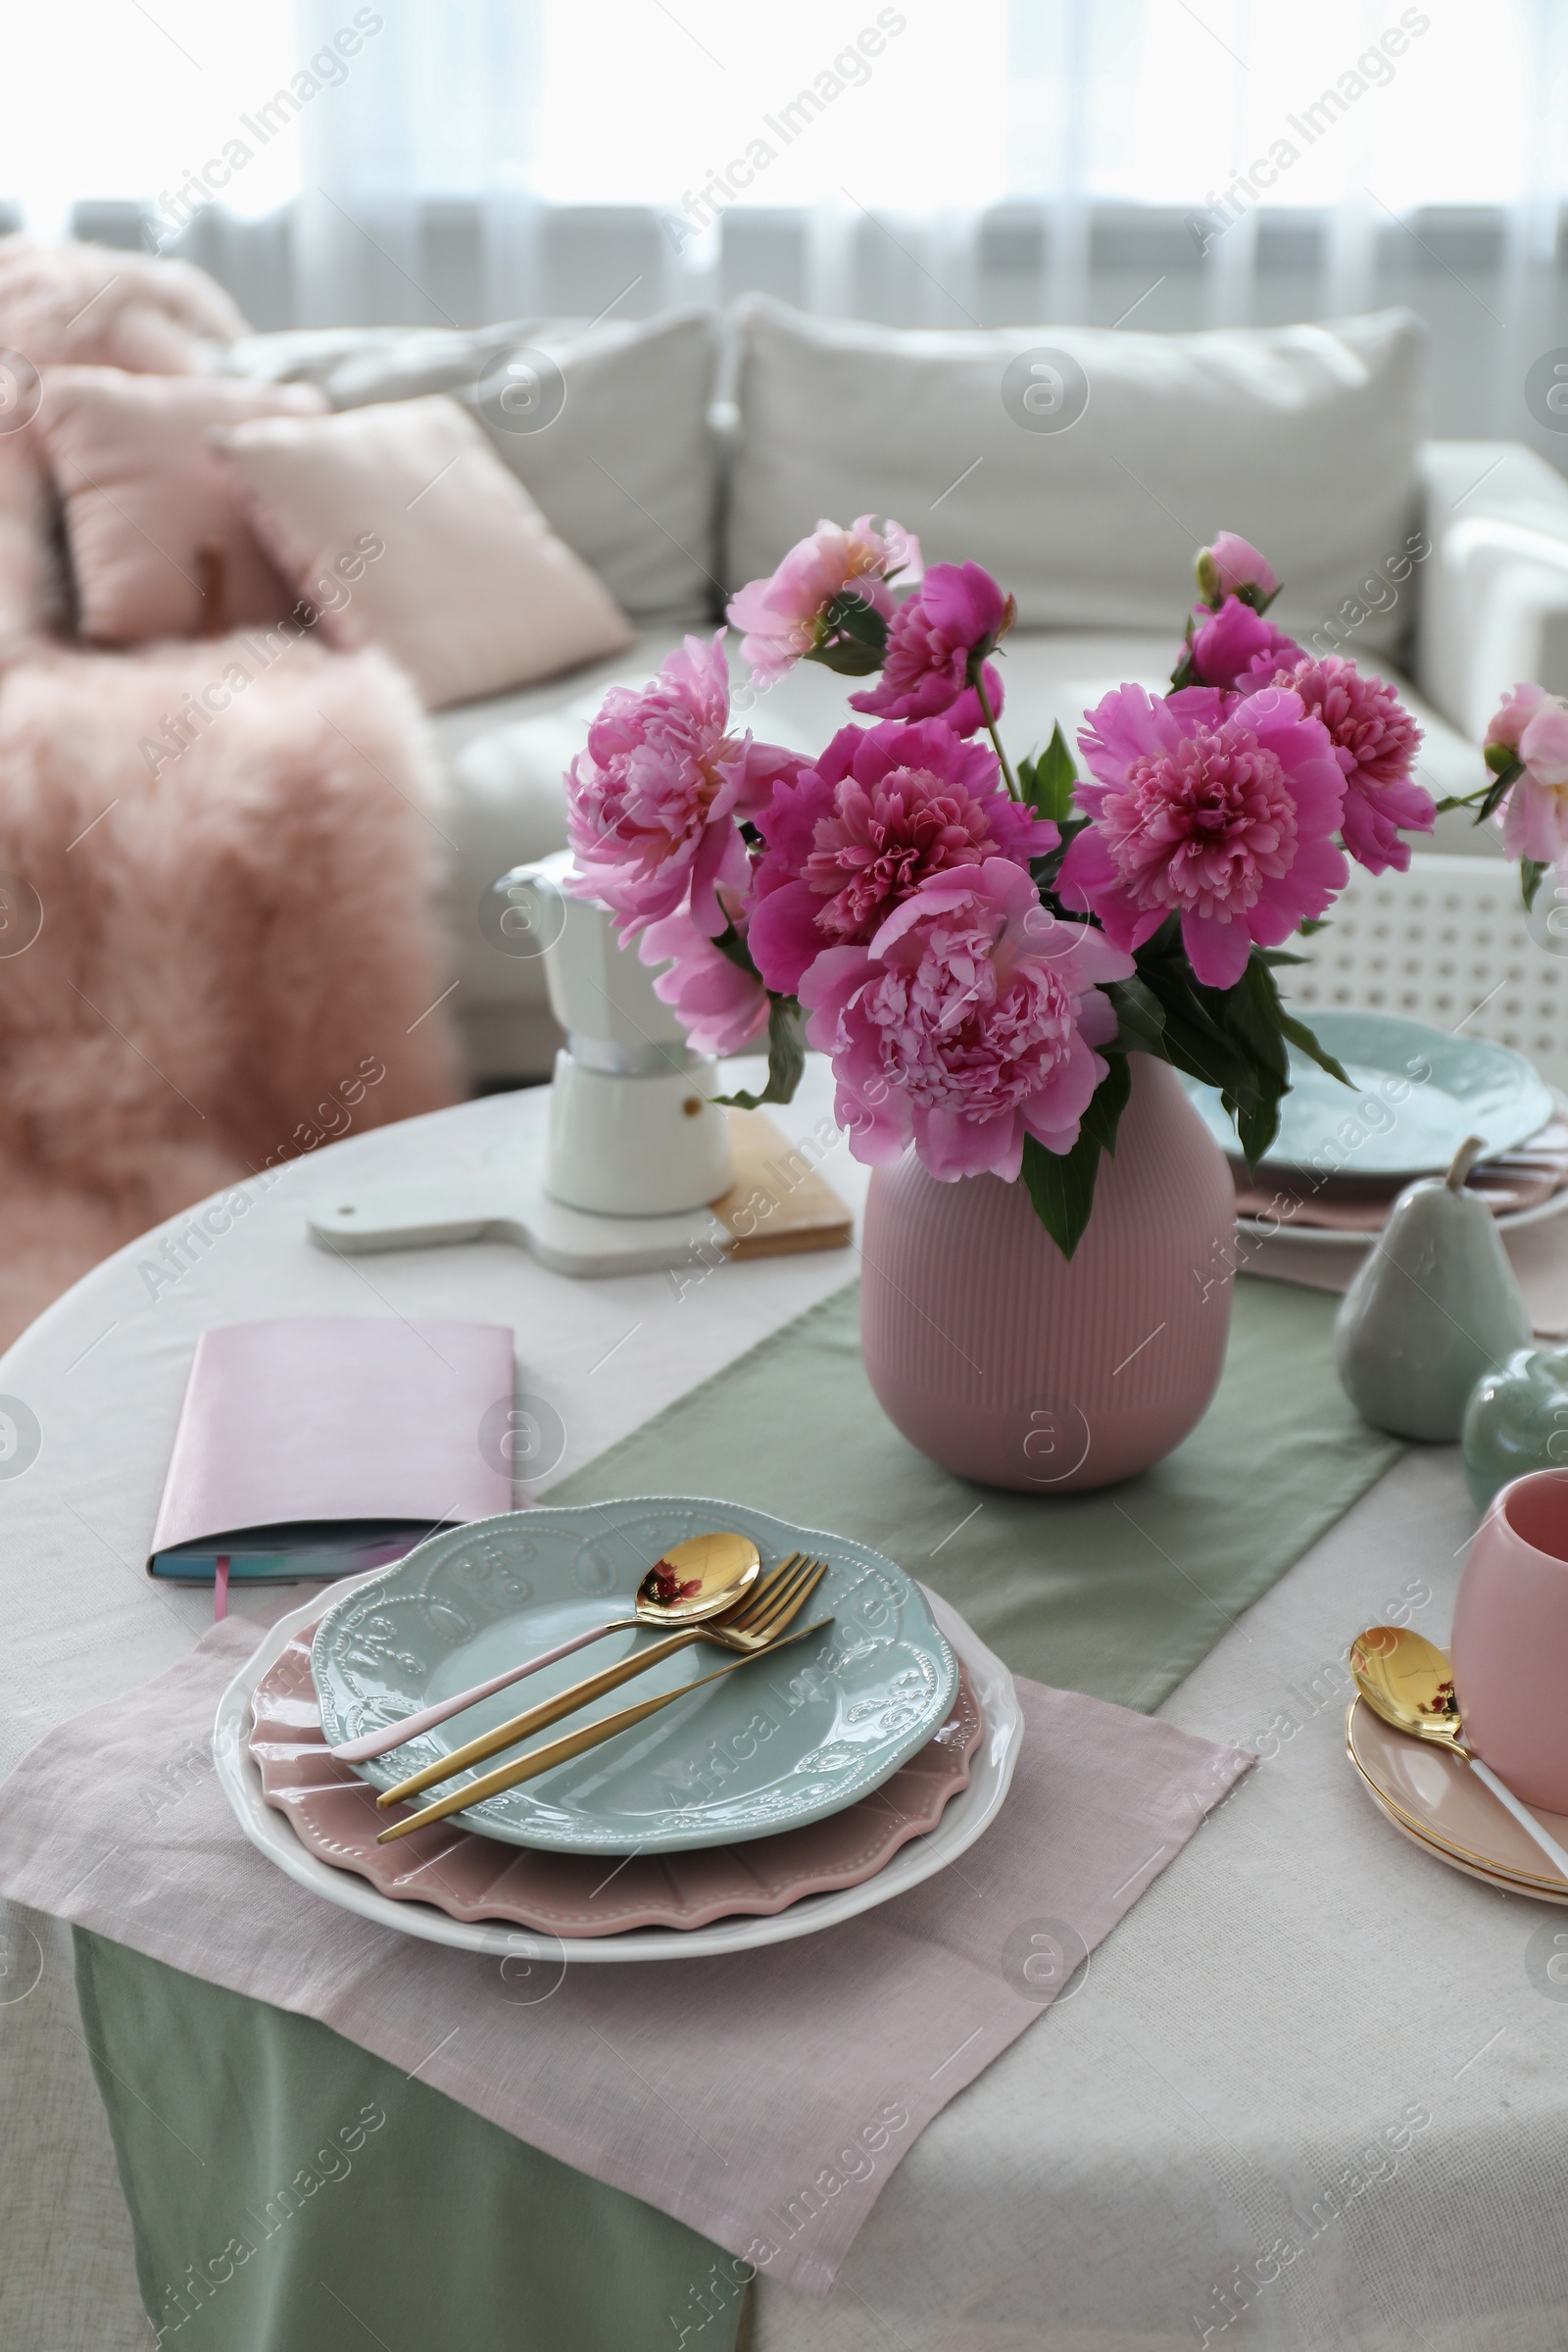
(1464, 1159)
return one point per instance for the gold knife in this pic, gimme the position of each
(575, 1744)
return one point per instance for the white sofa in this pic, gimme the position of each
(691, 450)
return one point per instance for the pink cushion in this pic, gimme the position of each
(160, 545)
(405, 529)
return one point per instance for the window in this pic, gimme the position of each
(918, 107)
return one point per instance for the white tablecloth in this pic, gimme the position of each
(1310, 2094)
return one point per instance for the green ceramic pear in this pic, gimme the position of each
(1434, 1305)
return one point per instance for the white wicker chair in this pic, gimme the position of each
(1447, 943)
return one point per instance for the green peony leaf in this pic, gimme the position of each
(732, 946)
(1061, 1186)
(1234, 1039)
(851, 661)
(786, 1057)
(1048, 782)
(1140, 1016)
(1062, 1183)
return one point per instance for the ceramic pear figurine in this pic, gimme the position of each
(1433, 1308)
(1516, 1420)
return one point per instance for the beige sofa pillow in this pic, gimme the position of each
(405, 530)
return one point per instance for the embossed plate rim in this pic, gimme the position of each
(1510, 1107)
(527, 1816)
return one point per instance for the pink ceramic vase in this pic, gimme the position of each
(1510, 1640)
(1006, 1363)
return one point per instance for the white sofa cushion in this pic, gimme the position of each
(1303, 438)
(627, 468)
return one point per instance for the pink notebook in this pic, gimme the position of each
(320, 1446)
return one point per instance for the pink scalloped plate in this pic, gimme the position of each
(332, 1812)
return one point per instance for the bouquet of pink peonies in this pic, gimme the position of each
(979, 946)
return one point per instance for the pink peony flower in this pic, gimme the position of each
(968, 1022)
(1227, 644)
(1219, 808)
(882, 809)
(1375, 741)
(1514, 714)
(925, 675)
(721, 1008)
(1534, 725)
(780, 614)
(1231, 564)
(651, 805)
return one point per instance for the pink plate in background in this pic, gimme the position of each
(332, 1812)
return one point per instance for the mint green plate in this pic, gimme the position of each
(785, 1740)
(1419, 1092)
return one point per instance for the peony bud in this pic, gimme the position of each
(1233, 567)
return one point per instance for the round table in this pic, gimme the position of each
(1195, 2148)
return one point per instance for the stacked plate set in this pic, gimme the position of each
(818, 1778)
(1341, 1159)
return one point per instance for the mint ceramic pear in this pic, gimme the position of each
(1516, 1421)
(1434, 1306)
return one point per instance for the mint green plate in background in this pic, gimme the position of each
(1398, 1122)
(783, 1741)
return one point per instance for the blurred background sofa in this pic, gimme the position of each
(662, 461)
(690, 450)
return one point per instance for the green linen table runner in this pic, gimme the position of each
(480, 2243)
(1120, 1592)
(270, 2216)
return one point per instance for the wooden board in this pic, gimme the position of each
(778, 1201)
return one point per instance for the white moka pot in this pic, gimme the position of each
(632, 1130)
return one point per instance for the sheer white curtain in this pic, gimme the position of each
(1153, 163)
(442, 101)
(892, 141)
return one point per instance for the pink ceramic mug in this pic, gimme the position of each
(1510, 1640)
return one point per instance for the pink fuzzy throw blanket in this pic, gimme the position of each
(211, 956)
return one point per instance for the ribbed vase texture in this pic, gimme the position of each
(1006, 1363)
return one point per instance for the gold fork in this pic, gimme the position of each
(774, 1601)
(574, 1743)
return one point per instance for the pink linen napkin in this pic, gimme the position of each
(764, 2097)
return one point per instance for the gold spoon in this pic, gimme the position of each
(688, 1584)
(1408, 1681)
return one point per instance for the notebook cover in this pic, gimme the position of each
(336, 1418)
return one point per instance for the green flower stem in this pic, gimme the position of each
(978, 681)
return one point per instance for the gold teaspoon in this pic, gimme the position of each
(1407, 1679)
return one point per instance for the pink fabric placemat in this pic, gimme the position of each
(762, 2097)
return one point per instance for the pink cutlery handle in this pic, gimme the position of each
(393, 1734)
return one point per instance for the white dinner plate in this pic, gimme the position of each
(964, 1820)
